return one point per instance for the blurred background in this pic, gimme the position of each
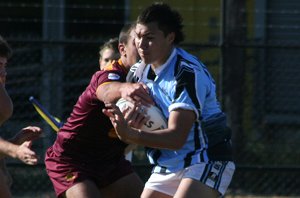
(251, 47)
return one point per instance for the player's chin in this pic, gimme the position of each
(145, 58)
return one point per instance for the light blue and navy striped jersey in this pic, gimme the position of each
(182, 82)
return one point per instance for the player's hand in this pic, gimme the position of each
(136, 117)
(25, 154)
(137, 93)
(118, 121)
(27, 134)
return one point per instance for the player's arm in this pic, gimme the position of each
(7, 149)
(22, 152)
(173, 137)
(133, 92)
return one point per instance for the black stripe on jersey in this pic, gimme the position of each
(163, 169)
(185, 78)
(155, 155)
(196, 136)
(202, 155)
(188, 158)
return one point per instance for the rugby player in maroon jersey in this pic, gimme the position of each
(87, 159)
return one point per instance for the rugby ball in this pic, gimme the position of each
(156, 118)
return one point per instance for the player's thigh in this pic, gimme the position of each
(128, 186)
(191, 188)
(84, 189)
(150, 193)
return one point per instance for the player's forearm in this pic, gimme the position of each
(8, 149)
(174, 137)
(110, 92)
(161, 139)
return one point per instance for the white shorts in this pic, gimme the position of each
(216, 175)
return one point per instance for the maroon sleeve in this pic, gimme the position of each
(106, 76)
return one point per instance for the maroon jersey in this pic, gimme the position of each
(86, 130)
(84, 146)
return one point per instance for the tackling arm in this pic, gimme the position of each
(133, 92)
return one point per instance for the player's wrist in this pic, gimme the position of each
(134, 135)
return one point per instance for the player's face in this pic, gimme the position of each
(132, 55)
(153, 46)
(107, 56)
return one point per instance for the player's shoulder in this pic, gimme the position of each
(114, 68)
(134, 67)
(135, 71)
(137, 66)
(188, 60)
(115, 65)
(111, 72)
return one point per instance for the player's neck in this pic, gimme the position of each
(163, 59)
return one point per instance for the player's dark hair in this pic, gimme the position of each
(168, 20)
(110, 44)
(125, 33)
(5, 50)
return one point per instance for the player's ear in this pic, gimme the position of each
(171, 37)
(122, 49)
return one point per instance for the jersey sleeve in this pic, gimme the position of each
(195, 89)
(107, 76)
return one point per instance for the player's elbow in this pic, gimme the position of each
(176, 139)
(176, 145)
(102, 93)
